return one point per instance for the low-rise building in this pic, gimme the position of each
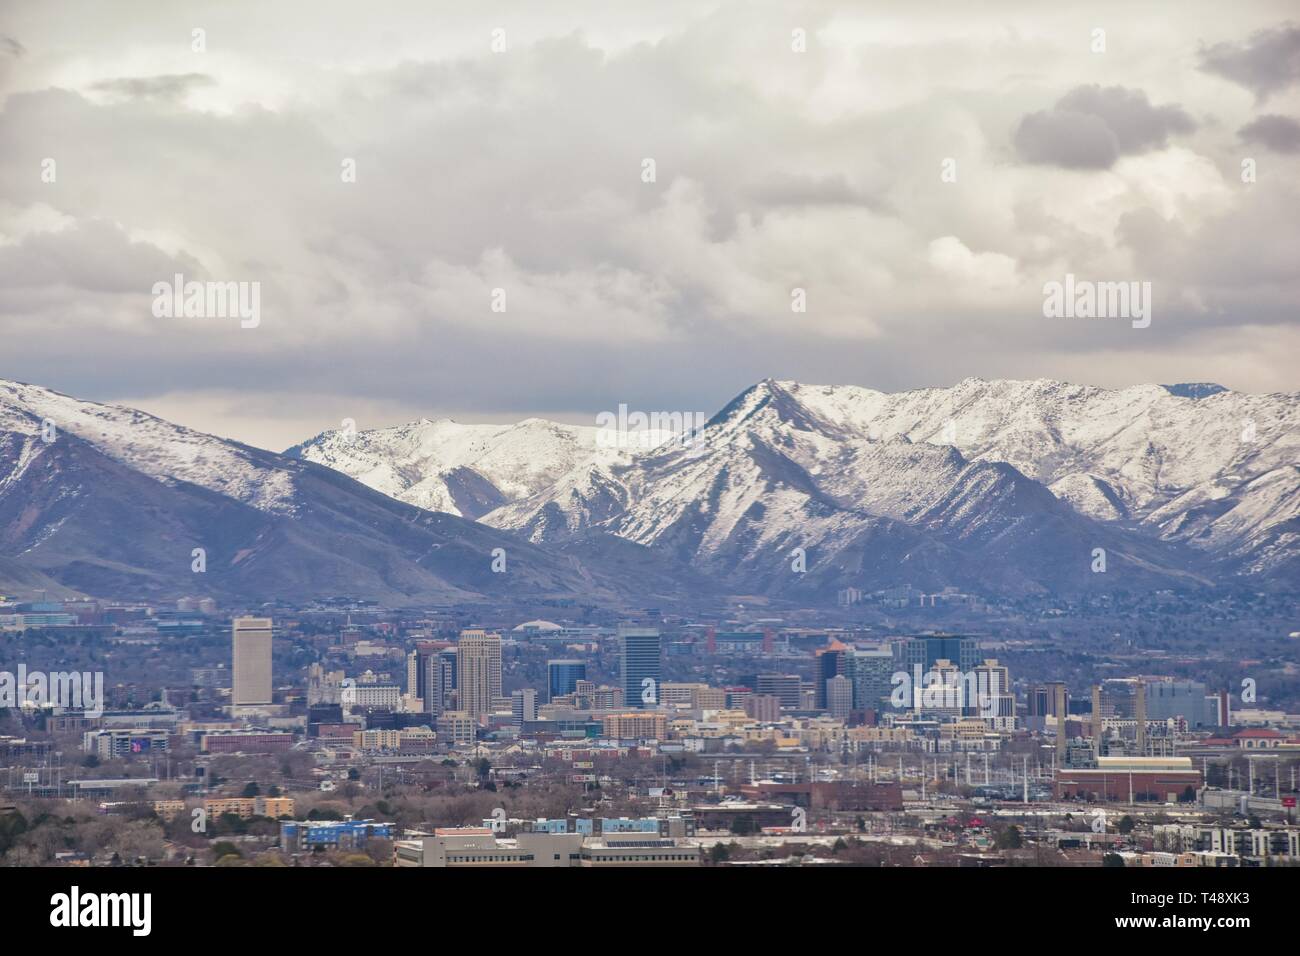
(637, 725)
(331, 834)
(1258, 845)
(168, 809)
(477, 847)
(246, 807)
(124, 742)
(456, 727)
(1156, 779)
(247, 742)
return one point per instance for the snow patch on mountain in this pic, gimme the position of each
(1152, 452)
(166, 452)
(430, 464)
(1090, 495)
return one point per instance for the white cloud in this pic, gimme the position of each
(521, 170)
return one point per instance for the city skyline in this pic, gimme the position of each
(818, 439)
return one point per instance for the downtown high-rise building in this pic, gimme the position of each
(993, 699)
(639, 660)
(523, 706)
(927, 650)
(872, 673)
(787, 688)
(427, 675)
(839, 697)
(419, 668)
(478, 672)
(445, 682)
(833, 661)
(1043, 699)
(1167, 698)
(562, 676)
(251, 664)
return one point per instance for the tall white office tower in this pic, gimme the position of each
(251, 640)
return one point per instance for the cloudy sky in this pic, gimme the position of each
(522, 168)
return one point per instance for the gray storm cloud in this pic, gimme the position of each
(1278, 133)
(126, 156)
(1267, 63)
(1092, 126)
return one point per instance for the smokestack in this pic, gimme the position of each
(1142, 718)
(1059, 707)
(1096, 720)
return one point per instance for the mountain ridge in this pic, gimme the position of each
(1124, 458)
(116, 501)
(995, 486)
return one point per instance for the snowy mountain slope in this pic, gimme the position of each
(117, 501)
(1199, 464)
(987, 486)
(169, 453)
(587, 497)
(1017, 470)
(460, 469)
(771, 473)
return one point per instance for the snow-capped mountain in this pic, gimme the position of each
(107, 500)
(461, 469)
(782, 468)
(169, 453)
(791, 490)
(1199, 464)
(987, 484)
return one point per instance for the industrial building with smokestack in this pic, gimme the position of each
(1123, 761)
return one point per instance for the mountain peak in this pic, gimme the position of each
(939, 484)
